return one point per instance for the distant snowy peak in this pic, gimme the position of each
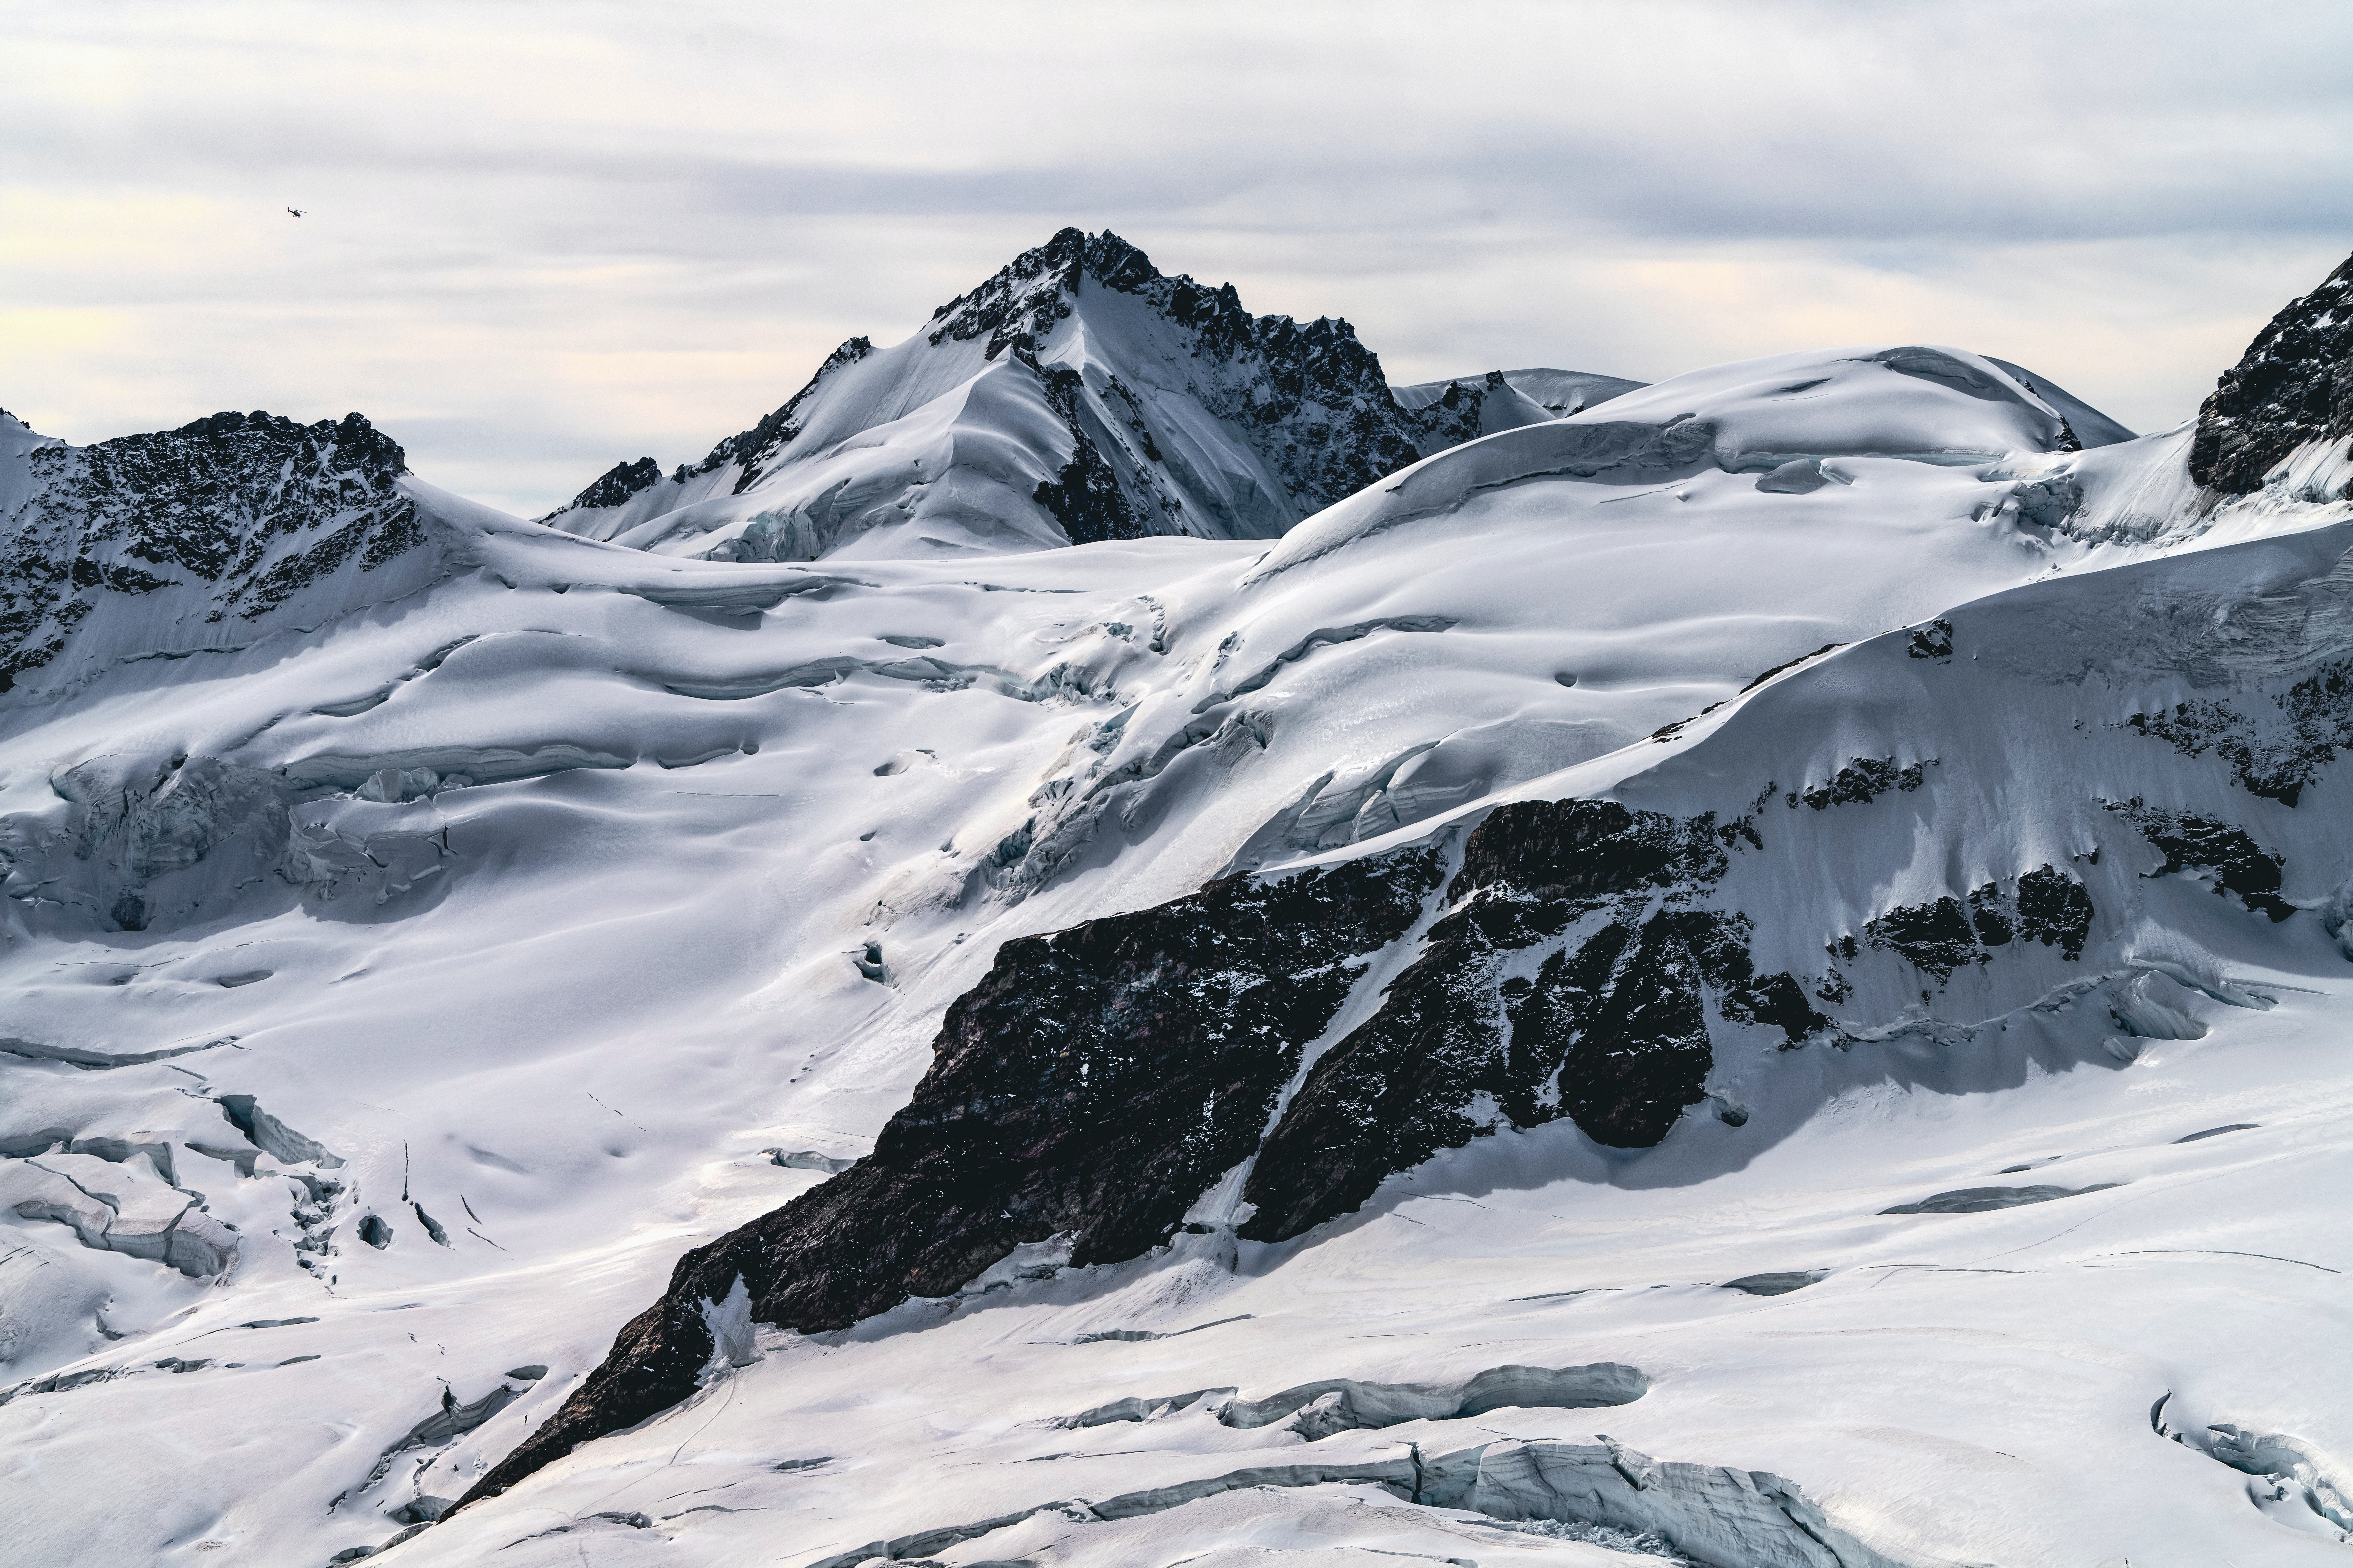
(1452, 412)
(1925, 402)
(1503, 399)
(1309, 400)
(1078, 394)
(2292, 390)
(184, 540)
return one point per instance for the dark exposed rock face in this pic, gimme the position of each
(1937, 938)
(246, 510)
(1091, 1086)
(2294, 386)
(1933, 937)
(2201, 843)
(1610, 1030)
(1860, 782)
(2053, 908)
(615, 486)
(1087, 498)
(2272, 757)
(1099, 1081)
(1932, 641)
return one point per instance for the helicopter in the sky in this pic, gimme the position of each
(296, 211)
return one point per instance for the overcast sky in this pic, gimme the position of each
(542, 238)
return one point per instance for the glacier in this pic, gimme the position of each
(1107, 940)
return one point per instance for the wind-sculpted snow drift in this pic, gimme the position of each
(1796, 914)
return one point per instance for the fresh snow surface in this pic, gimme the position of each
(570, 910)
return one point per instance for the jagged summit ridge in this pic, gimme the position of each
(1079, 393)
(215, 523)
(2292, 390)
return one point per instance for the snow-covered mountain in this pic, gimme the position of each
(1504, 398)
(1077, 396)
(206, 537)
(1793, 915)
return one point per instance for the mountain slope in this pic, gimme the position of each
(1079, 395)
(594, 729)
(1796, 911)
(1928, 836)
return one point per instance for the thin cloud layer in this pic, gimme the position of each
(541, 239)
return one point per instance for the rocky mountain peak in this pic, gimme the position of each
(1285, 418)
(1264, 374)
(1321, 361)
(2293, 388)
(226, 518)
(615, 485)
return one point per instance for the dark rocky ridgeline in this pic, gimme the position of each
(615, 486)
(1099, 1080)
(246, 509)
(1092, 1085)
(756, 449)
(2294, 386)
(760, 446)
(1456, 415)
(1610, 1029)
(1309, 400)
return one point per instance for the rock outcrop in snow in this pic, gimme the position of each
(2291, 394)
